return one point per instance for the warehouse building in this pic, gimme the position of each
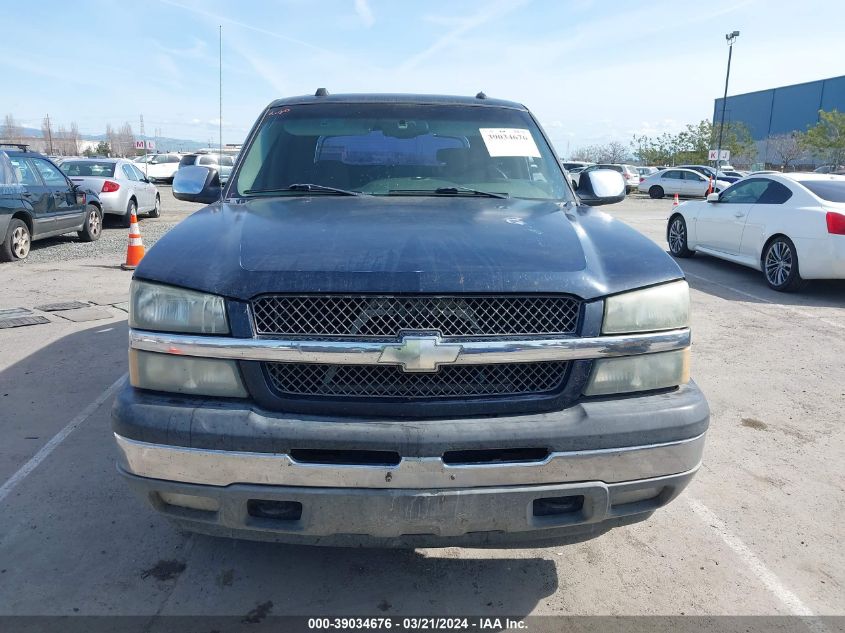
(782, 110)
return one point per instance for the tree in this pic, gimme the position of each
(10, 130)
(589, 153)
(691, 145)
(103, 149)
(827, 137)
(737, 138)
(111, 141)
(47, 133)
(121, 142)
(73, 139)
(785, 148)
(61, 142)
(613, 152)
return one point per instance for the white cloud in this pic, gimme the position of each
(365, 12)
(490, 12)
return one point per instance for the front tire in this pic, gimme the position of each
(676, 235)
(93, 227)
(156, 212)
(780, 265)
(656, 192)
(17, 242)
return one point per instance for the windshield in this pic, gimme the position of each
(88, 168)
(398, 149)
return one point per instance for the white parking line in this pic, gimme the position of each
(758, 298)
(57, 439)
(763, 573)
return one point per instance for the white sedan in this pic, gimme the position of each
(160, 167)
(789, 226)
(684, 182)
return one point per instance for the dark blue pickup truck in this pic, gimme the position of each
(397, 324)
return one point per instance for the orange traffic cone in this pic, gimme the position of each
(674, 204)
(709, 186)
(135, 250)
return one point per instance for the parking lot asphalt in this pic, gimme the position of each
(759, 530)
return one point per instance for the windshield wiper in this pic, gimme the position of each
(307, 187)
(450, 191)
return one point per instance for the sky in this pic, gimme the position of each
(590, 71)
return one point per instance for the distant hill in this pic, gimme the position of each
(163, 143)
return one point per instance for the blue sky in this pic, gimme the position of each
(591, 71)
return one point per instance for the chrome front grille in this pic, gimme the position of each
(387, 316)
(382, 381)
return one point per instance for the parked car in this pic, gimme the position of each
(223, 164)
(629, 173)
(122, 188)
(789, 226)
(160, 167)
(645, 172)
(38, 201)
(709, 172)
(734, 173)
(830, 169)
(399, 326)
(684, 182)
(569, 165)
(573, 168)
(575, 175)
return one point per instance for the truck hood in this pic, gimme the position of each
(319, 243)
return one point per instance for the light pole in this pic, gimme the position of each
(731, 38)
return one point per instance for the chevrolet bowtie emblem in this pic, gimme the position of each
(420, 353)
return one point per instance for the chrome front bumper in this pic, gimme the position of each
(421, 500)
(223, 468)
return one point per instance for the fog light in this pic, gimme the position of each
(193, 502)
(185, 374)
(633, 496)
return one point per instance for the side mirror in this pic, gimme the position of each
(197, 184)
(712, 197)
(146, 180)
(601, 186)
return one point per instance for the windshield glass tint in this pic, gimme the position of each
(385, 149)
(830, 190)
(86, 168)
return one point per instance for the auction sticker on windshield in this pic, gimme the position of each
(509, 141)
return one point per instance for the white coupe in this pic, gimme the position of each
(789, 226)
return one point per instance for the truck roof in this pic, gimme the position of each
(399, 98)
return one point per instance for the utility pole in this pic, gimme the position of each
(143, 139)
(50, 134)
(731, 38)
(220, 114)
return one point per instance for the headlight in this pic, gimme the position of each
(664, 307)
(169, 309)
(185, 374)
(638, 373)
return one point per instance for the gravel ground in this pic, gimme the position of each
(114, 238)
(113, 241)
